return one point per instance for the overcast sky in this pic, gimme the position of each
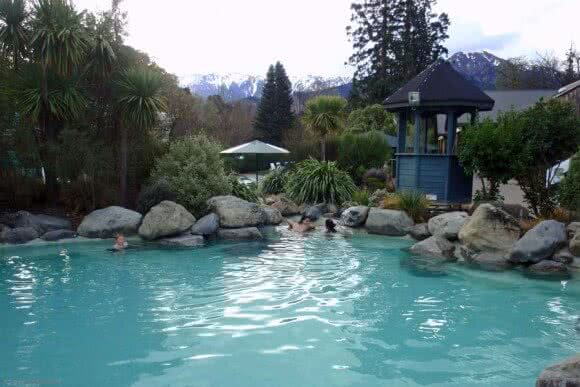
(308, 36)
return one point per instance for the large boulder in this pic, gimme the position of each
(490, 229)
(448, 225)
(388, 222)
(41, 223)
(575, 244)
(572, 229)
(435, 247)
(208, 225)
(57, 235)
(235, 212)
(107, 222)
(183, 240)
(354, 216)
(563, 256)
(549, 268)
(420, 231)
(247, 233)
(18, 235)
(273, 216)
(486, 260)
(165, 219)
(286, 206)
(314, 212)
(563, 374)
(540, 243)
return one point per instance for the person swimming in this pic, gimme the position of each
(120, 243)
(330, 226)
(302, 226)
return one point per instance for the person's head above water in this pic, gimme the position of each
(330, 225)
(304, 219)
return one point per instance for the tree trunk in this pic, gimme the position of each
(323, 148)
(123, 166)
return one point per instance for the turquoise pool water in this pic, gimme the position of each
(290, 311)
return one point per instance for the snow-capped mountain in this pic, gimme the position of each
(237, 86)
(479, 67)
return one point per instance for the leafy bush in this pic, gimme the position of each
(274, 182)
(415, 204)
(569, 194)
(358, 152)
(154, 194)
(244, 191)
(373, 117)
(313, 181)
(361, 197)
(194, 170)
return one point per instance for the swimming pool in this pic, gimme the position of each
(288, 311)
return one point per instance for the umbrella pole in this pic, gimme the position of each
(256, 169)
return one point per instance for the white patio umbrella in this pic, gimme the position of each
(256, 148)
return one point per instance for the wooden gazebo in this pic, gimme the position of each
(432, 102)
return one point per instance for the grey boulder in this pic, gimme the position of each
(246, 233)
(183, 240)
(165, 219)
(273, 216)
(420, 232)
(388, 222)
(235, 212)
(490, 229)
(540, 243)
(563, 374)
(572, 229)
(354, 216)
(549, 269)
(286, 206)
(435, 247)
(208, 225)
(18, 235)
(563, 256)
(448, 225)
(575, 244)
(57, 235)
(486, 260)
(314, 212)
(41, 223)
(107, 222)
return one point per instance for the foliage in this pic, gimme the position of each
(569, 194)
(487, 150)
(358, 152)
(361, 197)
(274, 182)
(13, 32)
(314, 181)
(415, 204)
(194, 171)
(153, 194)
(325, 115)
(275, 114)
(392, 41)
(370, 118)
(543, 72)
(248, 192)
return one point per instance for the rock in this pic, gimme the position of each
(575, 244)
(286, 207)
(563, 256)
(183, 240)
(235, 212)
(490, 229)
(517, 211)
(388, 222)
(548, 268)
(377, 197)
(247, 233)
(57, 235)
(314, 212)
(355, 216)
(540, 243)
(208, 225)
(572, 229)
(564, 374)
(273, 216)
(435, 247)
(487, 260)
(107, 222)
(448, 225)
(41, 223)
(18, 235)
(420, 232)
(165, 219)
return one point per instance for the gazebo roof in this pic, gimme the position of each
(440, 85)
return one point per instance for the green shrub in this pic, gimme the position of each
(569, 193)
(154, 194)
(359, 152)
(274, 182)
(194, 170)
(313, 181)
(415, 204)
(361, 197)
(244, 191)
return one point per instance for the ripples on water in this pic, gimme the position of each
(317, 311)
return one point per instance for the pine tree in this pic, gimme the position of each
(572, 64)
(393, 40)
(275, 114)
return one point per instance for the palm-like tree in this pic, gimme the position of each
(324, 115)
(13, 30)
(139, 101)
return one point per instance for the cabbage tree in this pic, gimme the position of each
(325, 115)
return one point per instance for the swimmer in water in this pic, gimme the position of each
(330, 226)
(302, 226)
(120, 243)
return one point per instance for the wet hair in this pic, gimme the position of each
(330, 225)
(302, 219)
